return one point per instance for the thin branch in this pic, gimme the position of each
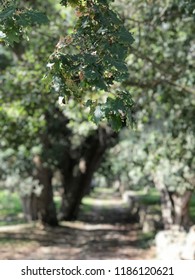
(154, 83)
(147, 58)
(179, 87)
(164, 72)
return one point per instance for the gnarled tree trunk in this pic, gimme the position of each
(174, 206)
(78, 172)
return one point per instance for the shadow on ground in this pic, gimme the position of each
(104, 233)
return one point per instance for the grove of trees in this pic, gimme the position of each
(124, 73)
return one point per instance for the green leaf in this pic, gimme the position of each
(7, 13)
(120, 66)
(12, 35)
(115, 122)
(89, 103)
(125, 36)
(64, 2)
(31, 18)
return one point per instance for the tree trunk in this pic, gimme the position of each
(41, 207)
(174, 206)
(166, 203)
(29, 205)
(181, 208)
(79, 172)
(71, 199)
(46, 206)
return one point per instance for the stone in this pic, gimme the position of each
(188, 250)
(169, 244)
(148, 226)
(149, 219)
(132, 200)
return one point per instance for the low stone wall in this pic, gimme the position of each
(188, 251)
(133, 201)
(149, 219)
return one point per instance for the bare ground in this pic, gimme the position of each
(104, 233)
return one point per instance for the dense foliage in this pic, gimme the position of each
(89, 60)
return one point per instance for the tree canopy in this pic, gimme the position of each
(85, 64)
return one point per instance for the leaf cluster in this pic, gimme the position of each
(14, 20)
(92, 59)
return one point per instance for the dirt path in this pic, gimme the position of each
(104, 233)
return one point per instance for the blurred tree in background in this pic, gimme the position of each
(161, 77)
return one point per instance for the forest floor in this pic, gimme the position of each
(103, 232)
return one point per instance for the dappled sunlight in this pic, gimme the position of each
(109, 235)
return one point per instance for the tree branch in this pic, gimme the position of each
(165, 79)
